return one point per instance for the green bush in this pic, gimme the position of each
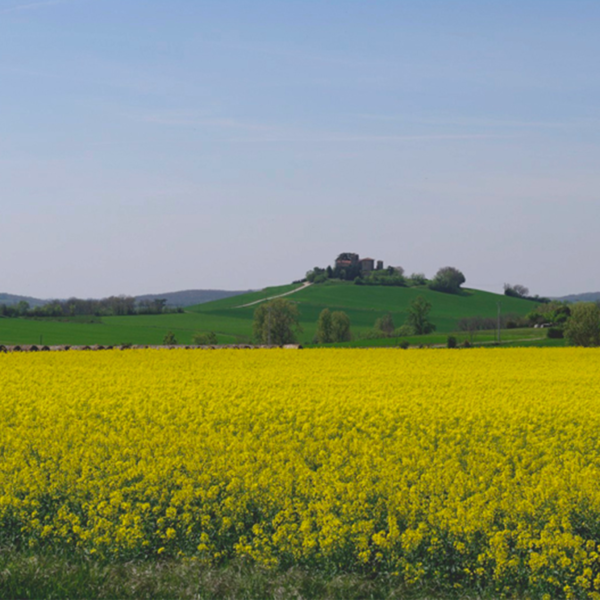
(452, 343)
(205, 339)
(448, 280)
(555, 333)
(416, 279)
(403, 330)
(169, 339)
(583, 326)
(385, 325)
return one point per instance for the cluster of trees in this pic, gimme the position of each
(76, 307)
(205, 339)
(417, 322)
(393, 276)
(447, 279)
(582, 328)
(277, 323)
(553, 313)
(520, 291)
(319, 275)
(579, 323)
(333, 327)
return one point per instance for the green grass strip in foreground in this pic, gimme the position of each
(48, 576)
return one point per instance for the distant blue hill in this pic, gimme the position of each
(15, 299)
(585, 297)
(190, 297)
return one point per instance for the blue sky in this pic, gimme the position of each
(155, 146)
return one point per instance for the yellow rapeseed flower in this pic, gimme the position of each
(459, 466)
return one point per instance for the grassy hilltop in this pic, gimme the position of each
(232, 322)
(364, 304)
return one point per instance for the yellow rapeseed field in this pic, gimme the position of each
(476, 468)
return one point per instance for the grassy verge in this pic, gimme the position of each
(508, 337)
(51, 577)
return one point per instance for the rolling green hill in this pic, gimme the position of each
(232, 321)
(364, 304)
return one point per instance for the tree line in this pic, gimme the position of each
(447, 279)
(112, 306)
(520, 291)
(579, 322)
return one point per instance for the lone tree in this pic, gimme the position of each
(340, 326)
(169, 339)
(447, 279)
(583, 326)
(418, 316)
(276, 322)
(385, 324)
(324, 324)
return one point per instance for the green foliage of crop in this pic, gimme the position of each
(362, 304)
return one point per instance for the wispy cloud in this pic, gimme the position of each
(32, 6)
(187, 119)
(480, 122)
(318, 138)
(300, 53)
(252, 132)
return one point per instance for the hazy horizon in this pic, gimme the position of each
(241, 291)
(183, 145)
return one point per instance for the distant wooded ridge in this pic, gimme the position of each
(585, 297)
(173, 299)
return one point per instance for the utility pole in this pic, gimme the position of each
(499, 322)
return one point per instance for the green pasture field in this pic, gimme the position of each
(233, 323)
(142, 329)
(109, 331)
(365, 304)
(447, 309)
(508, 337)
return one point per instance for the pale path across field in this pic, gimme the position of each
(302, 287)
